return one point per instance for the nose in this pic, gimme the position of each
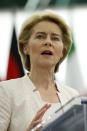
(48, 41)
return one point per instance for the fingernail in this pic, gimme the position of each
(48, 104)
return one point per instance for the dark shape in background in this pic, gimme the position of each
(15, 4)
(65, 3)
(15, 68)
(12, 3)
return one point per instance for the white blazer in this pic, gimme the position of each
(19, 104)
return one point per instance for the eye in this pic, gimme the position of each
(55, 38)
(40, 36)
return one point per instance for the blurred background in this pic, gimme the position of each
(73, 71)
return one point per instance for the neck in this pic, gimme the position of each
(42, 78)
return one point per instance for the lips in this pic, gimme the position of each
(47, 52)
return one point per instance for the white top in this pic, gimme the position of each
(51, 112)
(52, 109)
(19, 104)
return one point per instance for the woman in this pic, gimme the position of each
(43, 44)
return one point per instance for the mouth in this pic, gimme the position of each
(47, 53)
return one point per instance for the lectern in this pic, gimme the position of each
(74, 119)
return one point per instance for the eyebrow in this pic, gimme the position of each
(54, 34)
(41, 33)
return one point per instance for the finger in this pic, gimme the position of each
(39, 116)
(39, 129)
(33, 124)
(45, 106)
(41, 113)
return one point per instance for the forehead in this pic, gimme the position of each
(47, 26)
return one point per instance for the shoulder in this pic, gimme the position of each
(16, 90)
(66, 93)
(70, 89)
(67, 89)
(16, 86)
(15, 83)
(10, 87)
(11, 82)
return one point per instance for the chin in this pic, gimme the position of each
(47, 64)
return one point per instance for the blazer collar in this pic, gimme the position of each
(61, 91)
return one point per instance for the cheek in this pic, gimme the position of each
(59, 50)
(34, 49)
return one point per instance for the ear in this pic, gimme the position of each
(26, 49)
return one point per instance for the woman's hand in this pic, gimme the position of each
(38, 118)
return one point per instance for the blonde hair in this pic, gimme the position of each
(26, 32)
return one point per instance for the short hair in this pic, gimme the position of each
(26, 32)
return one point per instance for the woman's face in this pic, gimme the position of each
(45, 45)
